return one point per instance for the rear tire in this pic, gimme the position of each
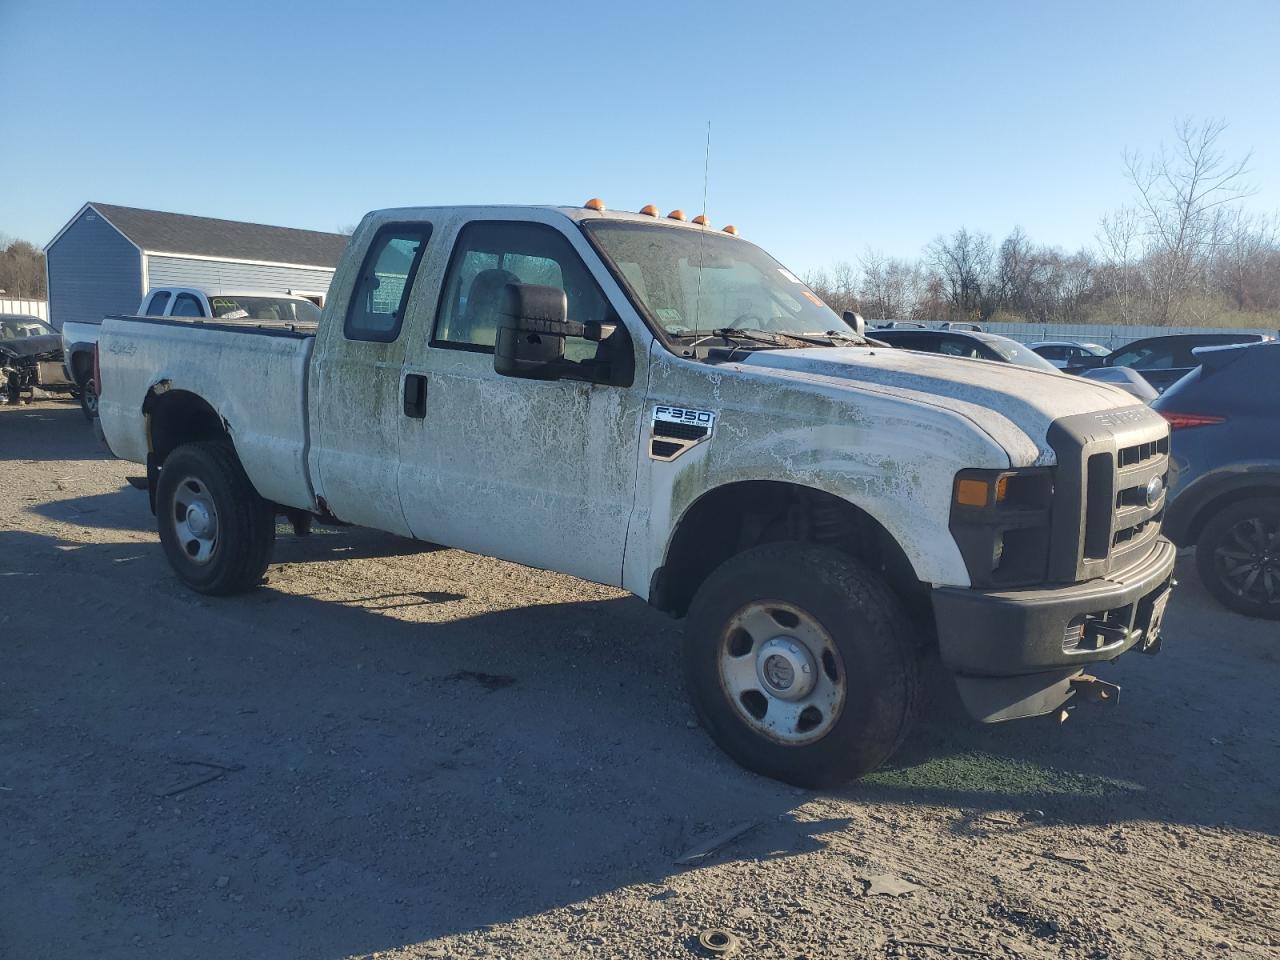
(1238, 556)
(771, 617)
(89, 399)
(217, 532)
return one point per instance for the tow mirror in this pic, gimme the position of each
(532, 327)
(855, 321)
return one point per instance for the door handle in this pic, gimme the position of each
(415, 396)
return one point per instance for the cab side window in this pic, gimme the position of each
(959, 347)
(187, 306)
(489, 255)
(376, 310)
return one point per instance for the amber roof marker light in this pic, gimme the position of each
(731, 230)
(649, 210)
(676, 214)
(595, 203)
(701, 220)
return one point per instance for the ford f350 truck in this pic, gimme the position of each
(651, 403)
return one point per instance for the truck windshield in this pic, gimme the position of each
(264, 309)
(692, 282)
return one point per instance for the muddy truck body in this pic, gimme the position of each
(658, 405)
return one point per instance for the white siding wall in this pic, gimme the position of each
(35, 308)
(215, 276)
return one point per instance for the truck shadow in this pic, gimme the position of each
(401, 780)
(45, 431)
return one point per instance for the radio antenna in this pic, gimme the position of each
(706, 176)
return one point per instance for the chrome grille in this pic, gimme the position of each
(1102, 520)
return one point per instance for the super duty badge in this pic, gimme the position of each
(677, 429)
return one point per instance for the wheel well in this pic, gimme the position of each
(81, 366)
(735, 517)
(175, 417)
(1223, 500)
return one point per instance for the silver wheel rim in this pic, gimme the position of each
(782, 672)
(195, 520)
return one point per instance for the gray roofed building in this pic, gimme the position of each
(154, 231)
(108, 256)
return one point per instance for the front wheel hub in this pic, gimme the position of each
(786, 668)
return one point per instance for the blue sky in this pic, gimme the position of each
(835, 126)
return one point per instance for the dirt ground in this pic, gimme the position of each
(424, 753)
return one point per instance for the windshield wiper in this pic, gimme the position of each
(736, 333)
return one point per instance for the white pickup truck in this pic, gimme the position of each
(651, 403)
(79, 337)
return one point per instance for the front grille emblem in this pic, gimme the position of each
(1155, 490)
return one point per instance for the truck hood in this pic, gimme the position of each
(1014, 405)
(32, 346)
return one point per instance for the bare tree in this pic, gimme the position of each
(889, 287)
(838, 288)
(1179, 192)
(1119, 240)
(21, 269)
(963, 264)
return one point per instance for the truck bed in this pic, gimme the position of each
(253, 374)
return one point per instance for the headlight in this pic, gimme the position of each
(1000, 522)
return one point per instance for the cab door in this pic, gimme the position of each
(539, 472)
(354, 384)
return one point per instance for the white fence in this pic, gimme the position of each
(1105, 334)
(36, 308)
(1109, 335)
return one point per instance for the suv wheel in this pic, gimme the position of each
(1238, 556)
(800, 664)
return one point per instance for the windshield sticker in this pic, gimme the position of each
(669, 316)
(813, 298)
(234, 315)
(787, 274)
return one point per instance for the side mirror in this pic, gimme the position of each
(532, 327)
(855, 320)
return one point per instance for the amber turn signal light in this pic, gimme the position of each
(972, 493)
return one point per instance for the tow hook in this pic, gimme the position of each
(1091, 689)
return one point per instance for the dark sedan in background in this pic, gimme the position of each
(955, 342)
(1224, 477)
(977, 345)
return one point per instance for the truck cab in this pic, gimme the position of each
(652, 403)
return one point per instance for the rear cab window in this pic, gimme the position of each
(376, 310)
(155, 307)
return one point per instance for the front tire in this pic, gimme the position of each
(217, 532)
(1238, 557)
(801, 664)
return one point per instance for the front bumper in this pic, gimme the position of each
(1015, 652)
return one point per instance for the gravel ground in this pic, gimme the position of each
(424, 753)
